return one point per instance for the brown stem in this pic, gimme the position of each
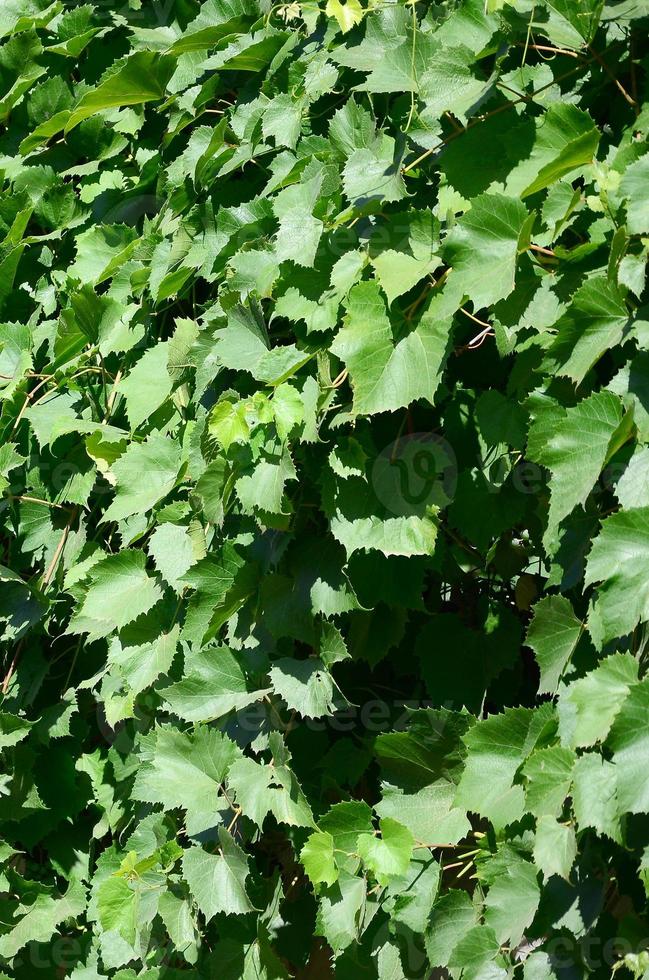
(37, 500)
(548, 47)
(480, 323)
(12, 667)
(542, 251)
(59, 549)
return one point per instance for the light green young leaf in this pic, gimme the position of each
(317, 856)
(118, 908)
(228, 423)
(348, 14)
(345, 822)
(388, 856)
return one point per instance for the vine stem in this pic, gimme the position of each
(12, 667)
(542, 251)
(549, 48)
(37, 500)
(59, 549)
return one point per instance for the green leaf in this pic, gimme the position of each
(317, 856)
(305, 685)
(595, 321)
(148, 385)
(389, 855)
(414, 893)
(213, 685)
(575, 444)
(555, 847)
(118, 908)
(566, 138)
(448, 82)
(594, 794)
(218, 881)
(12, 729)
(632, 189)
(142, 77)
(497, 746)
(118, 589)
(20, 15)
(619, 560)
(243, 346)
(261, 789)
(175, 760)
(41, 917)
(588, 706)
(553, 635)
(372, 173)
(549, 774)
(483, 248)
(630, 744)
(145, 474)
(20, 607)
(216, 19)
(512, 901)
(340, 909)
(475, 951)
(299, 232)
(583, 15)
(386, 375)
(429, 813)
(171, 548)
(452, 917)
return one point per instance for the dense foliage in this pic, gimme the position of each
(324, 377)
